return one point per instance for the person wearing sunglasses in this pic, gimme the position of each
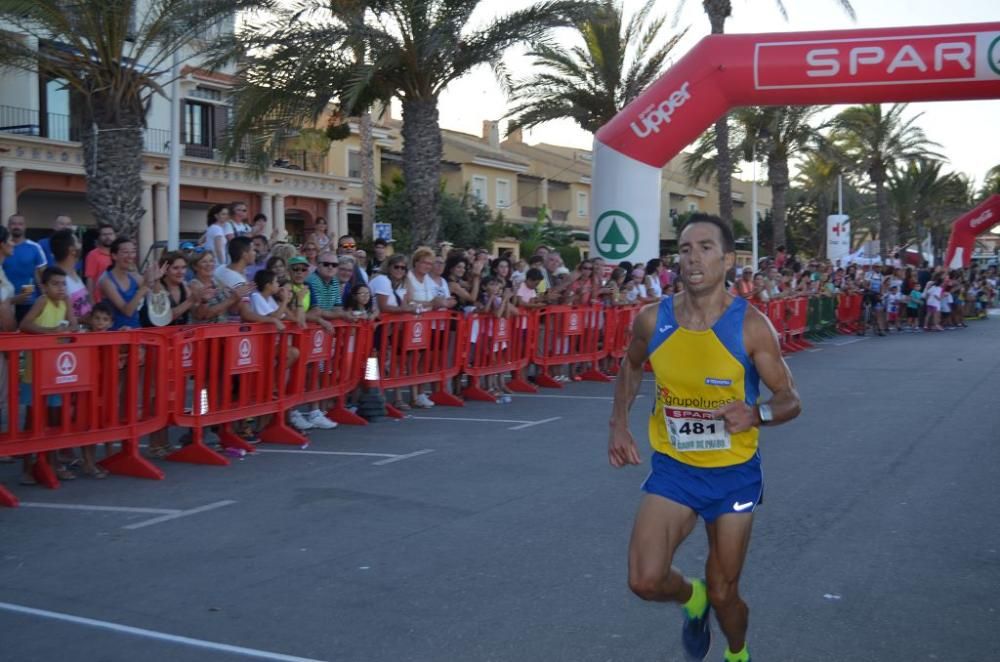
(324, 288)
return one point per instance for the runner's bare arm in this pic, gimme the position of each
(761, 344)
(622, 449)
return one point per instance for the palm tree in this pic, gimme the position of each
(112, 59)
(414, 49)
(925, 199)
(718, 11)
(875, 142)
(991, 183)
(771, 134)
(591, 83)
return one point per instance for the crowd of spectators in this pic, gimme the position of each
(238, 272)
(896, 297)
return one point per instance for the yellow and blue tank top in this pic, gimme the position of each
(697, 372)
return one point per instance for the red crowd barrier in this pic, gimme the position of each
(567, 335)
(618, 322)
(224, 373)
(498, 345)
(212, 376)
(83, 390)
(848, 312)
(797, 312)
(330, 366)
(421, 349)
(776, 315)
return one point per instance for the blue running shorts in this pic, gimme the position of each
(708, 491)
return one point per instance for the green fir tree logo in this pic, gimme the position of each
(612, 242)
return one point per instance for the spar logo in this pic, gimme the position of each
(186, 353)
(66, 367)
(616, 235)
(982, 218)
(993, 55)
(245, 352)
(417, 333)
(654, 115)
(865, 61)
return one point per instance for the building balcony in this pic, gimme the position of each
(67, 128)
(555, 214)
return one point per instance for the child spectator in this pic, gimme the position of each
(913, 306)
(891, 302)
(360, 303)
(51, 313)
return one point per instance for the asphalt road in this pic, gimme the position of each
(467, 540)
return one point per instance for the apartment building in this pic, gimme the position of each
(42, 173)
(520, 180)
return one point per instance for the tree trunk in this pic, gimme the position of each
(718, 11)
(422, 153)
(367, 173)
(777, 168)
(886, 221)
(724, 170)
(113, 165)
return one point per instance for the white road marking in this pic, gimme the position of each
(308, 452)
(565, 397)
(111, 509)
(468, 420)
(848, 342)
(399, 458)
(179, 514)
(532, 423)
(153, 634)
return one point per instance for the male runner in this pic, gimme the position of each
(708, 350)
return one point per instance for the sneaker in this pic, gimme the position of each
(423, 401)
(318, 420)
(697, 635)
(299, 422)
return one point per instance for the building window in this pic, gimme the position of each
(503, 193)
(198, 123)
(692, 206)
(478, 189)
(354, 163)
(581, 203)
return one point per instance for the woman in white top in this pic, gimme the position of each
(653, 287)
(216, 237)
(424, 291)
(393, 294)
(66, 252)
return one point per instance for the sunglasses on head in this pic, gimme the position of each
(329, 264)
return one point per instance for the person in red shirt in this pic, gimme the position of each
(780, 257)
(99, 260)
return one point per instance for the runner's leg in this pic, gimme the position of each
(660, 527)
(728, 541)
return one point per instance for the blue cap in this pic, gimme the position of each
(187, 246)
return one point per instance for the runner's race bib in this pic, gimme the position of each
(693, 430)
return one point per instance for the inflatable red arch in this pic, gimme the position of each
(967, 227)
(929, 63)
